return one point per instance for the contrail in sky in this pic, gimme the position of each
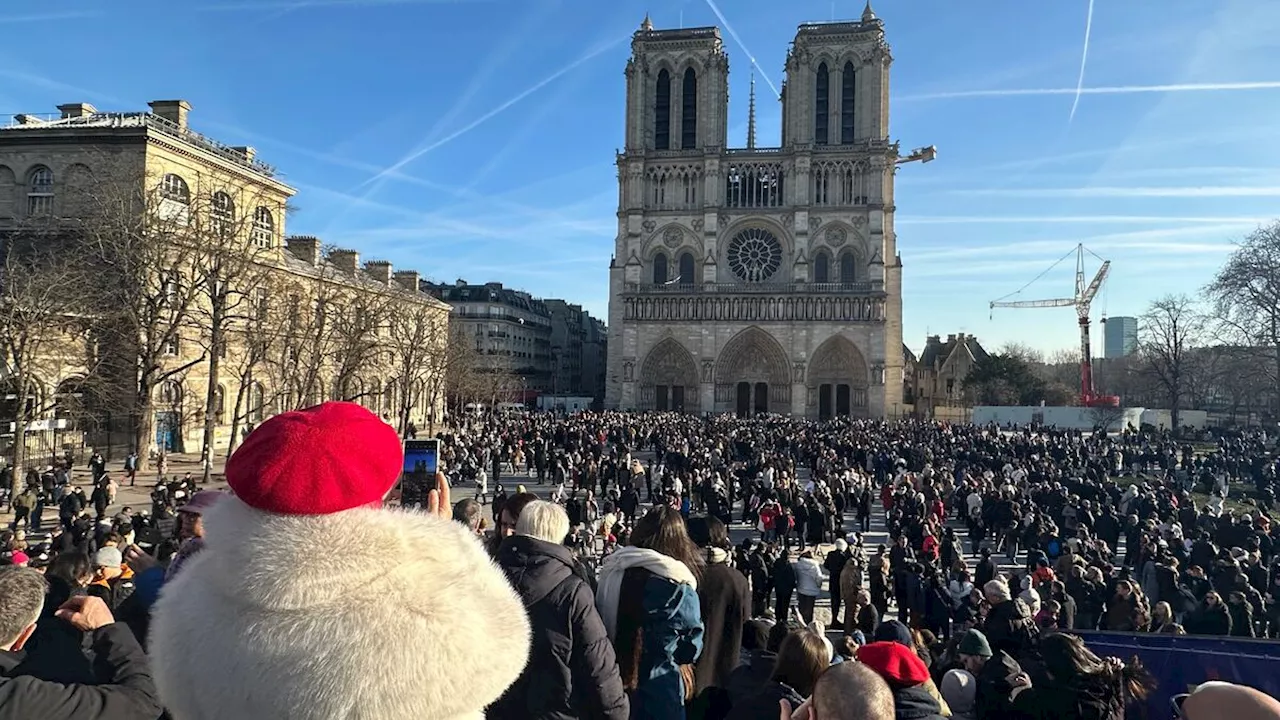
(1084, 58)
(489, 115)
(733, 34)
(1111, 90)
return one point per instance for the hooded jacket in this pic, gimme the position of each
(649, 604)
(268, 622)
(572, 671)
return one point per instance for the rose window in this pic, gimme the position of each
(755, 254)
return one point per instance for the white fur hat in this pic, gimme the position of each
(364, 614)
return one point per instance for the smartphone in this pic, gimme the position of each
(421, 457)
(421, 461)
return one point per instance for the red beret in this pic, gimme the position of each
(896, 663)
(325, 459)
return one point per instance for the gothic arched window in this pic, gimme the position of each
(822, 267)
(686, 268)
(662, 113)
(689, 111)
(847, 96)
(848, 267)
(821, 105)
(659, 269)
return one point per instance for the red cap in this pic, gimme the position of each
(896, 663)
(325, 459)
(20, 557)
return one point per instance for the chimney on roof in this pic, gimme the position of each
(77, 110)
(247, 151)
(304, 247)
(379, 270)
(951, 338)
(348, 261)
(409, 279)
(175, 111)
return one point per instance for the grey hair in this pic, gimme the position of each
(543, 520)
(22, 593)
(997, 588)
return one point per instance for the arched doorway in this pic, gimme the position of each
(753, 375)
(837, 380)
(669, 379)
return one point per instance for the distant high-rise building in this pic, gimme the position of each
(1120, 337)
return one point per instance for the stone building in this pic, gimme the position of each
(758, 279)
(577, 351)
(49, 168)
(940, 373)
(511, 330)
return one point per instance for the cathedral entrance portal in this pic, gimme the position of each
(838, 380)
(752, 375)
(669, 379)
(752, 399)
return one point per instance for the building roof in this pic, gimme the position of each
(489, 292)
(329, 271)
(29, 123)
(936, 353)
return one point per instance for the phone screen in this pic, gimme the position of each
(421, 460)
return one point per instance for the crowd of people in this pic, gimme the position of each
(616, 591)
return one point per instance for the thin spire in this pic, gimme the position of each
(751, 114)
(867, 13)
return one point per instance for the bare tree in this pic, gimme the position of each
(1246, 300)
(1105, 417)
(147, 244)
(1172, 330)
(231, 265)
(42, 321)
(418, 338)
(258, 337)
(358, 323)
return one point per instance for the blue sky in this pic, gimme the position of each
(475, 139)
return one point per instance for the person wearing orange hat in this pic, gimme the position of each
(268, 621)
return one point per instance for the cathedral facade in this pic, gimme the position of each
(758, 279)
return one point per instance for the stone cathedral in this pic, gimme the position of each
(757, 279)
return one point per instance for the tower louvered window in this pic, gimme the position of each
(822, 105)
(662, 113)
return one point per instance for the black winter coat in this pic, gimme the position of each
(726, 603)
(125, 690)
(763, 705)
(572, 671)
(1010, 628)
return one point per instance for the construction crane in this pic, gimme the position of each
(1081, 302)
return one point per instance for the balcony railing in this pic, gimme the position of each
(141, 119)
(721, 288)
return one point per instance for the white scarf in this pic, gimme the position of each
(609, 588)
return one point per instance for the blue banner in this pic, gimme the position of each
(1180, 662)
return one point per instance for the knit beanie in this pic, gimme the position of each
(894, 631)
(973, 642)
